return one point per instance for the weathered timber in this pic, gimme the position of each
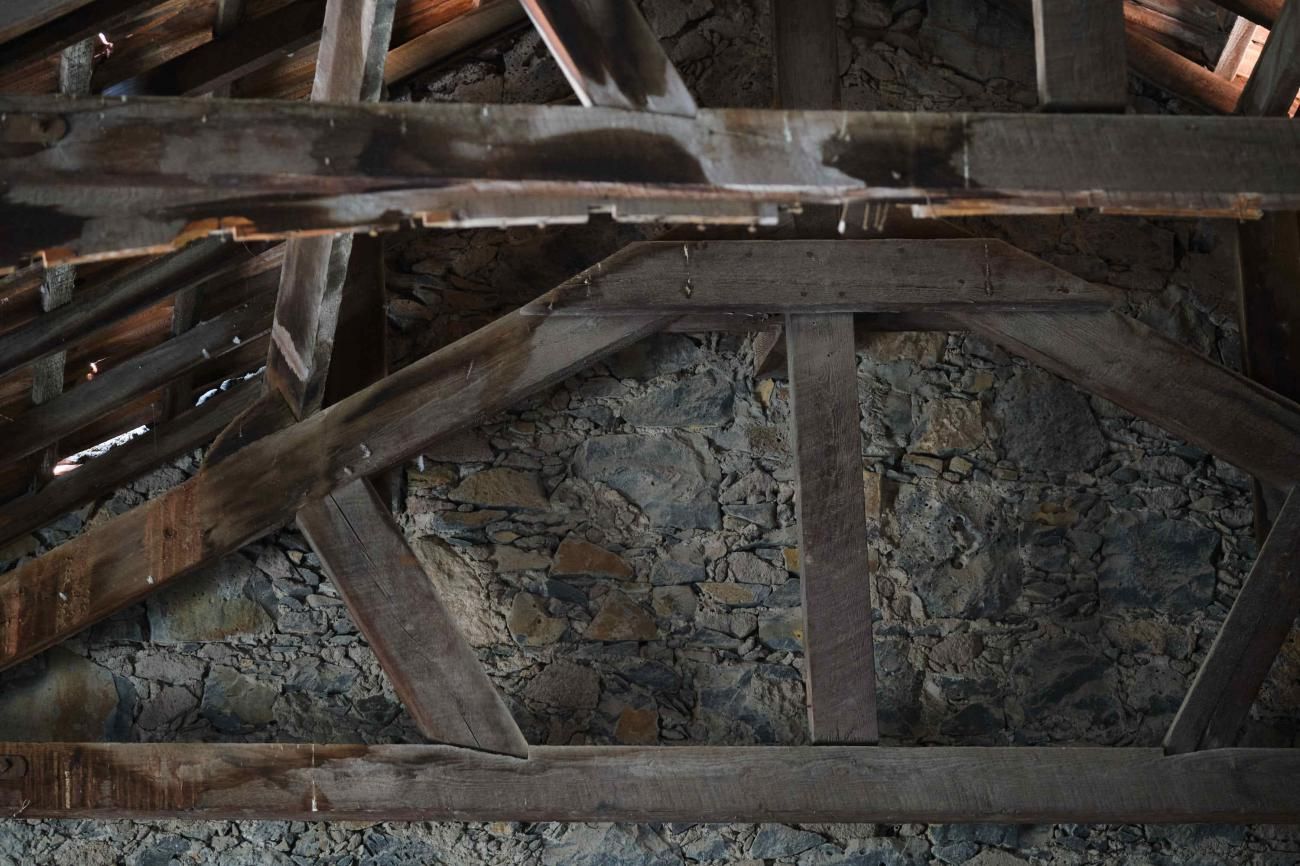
(262, 168)
(140, 374)
(1247, 644)
(104, 474)
(361, 356)
(22, 16)
(806, 276)
(1234, 51)
(78, 23)
(313, 782)
(1174, 73)
(1079, 45)
(1273, 84)
(434, 670)
(839, 657)
(214, 65)
(349, 67)
(487, 19)
(116, 299)
(265, 483)
(1128, 363)
(610, 56)
(1262, 12)
(805, 41)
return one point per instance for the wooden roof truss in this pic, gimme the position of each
(84, 181)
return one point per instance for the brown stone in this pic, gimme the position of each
(530, 624)
(72, 699)
(620, 618)
(513, 559)
(502, 488)
(576, 556)
(952, 426)
(461, 589)
(872, 488)
(467, 446)
(637, 727)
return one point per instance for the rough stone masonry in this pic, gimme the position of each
(621, 550)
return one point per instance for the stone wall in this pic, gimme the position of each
(621, 550)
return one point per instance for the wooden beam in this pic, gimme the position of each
(102, 475)
(1128, 363)
(349, 67)
(80, 22)
(1234, 50)
(1082, 65)
(140, 374)
(1262, 12)
(809, 784)
(610, 56)
(806, 276)
(487, 19)
(839, 657)
(1175, 74)
(214, 65)
(1247, 643)
(265, 483)
(434, 670)
(269, 167)
(108, 304)
(1272, 86)
(21, 16)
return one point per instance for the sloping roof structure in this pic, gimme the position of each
(194, 194)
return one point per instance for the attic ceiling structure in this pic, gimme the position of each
(170, 161)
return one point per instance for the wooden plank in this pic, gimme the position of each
(85, 21)
(102, 475)
(1262, 12)
(1247, 644)
(22, 16)
(487, 19)
(142, 373)
(227, 18)
(265, 483)
(434, 670)
(1175, 74)
(108, 304)
(1079, 45)
(806, 276)
(839, 658)
(805, 39)
(808, 784)
(1234, 51)
(610, 56)
(1122, 360)
(1272, 86)
(272, 167)
(250, 46)
(349, 67)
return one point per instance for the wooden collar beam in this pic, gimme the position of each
(86, 178)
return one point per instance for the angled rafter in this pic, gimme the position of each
(349, 66)
(1262, 12)
(268, 481)
(610, 56)
(308, 782)
(268, 167)
(487, 19)
(434, 670)
(1081, 56)
(1272, 86)
(750, 277)
(1122, 360)
(1234, 51)
(124, 463)
(79, 22)
(45, 424)
(1247, 644)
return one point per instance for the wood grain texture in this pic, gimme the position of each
(102, 475)
(1234, 50)
(433, 669)
(806, 276)
(1271, 89)
(484, 21)
(265, 483)
(805, 39)
(839, 657)
(22, 16)
(261, 168)
(1128, 363)
(1175, 74)
(1247, 644)
(78, 23)
(109, 303)
(1079, 45)
(145, 372)
(308, 782)
(610, 56)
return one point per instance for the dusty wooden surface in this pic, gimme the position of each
(1272, 86)
(433, 669)
(1079, 46)
(839, 657)
(709, 784)
(1247, 644)
(260, 167)
(750, 277)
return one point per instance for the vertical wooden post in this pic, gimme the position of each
(1081, 55)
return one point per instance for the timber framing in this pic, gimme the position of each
(83, 180)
